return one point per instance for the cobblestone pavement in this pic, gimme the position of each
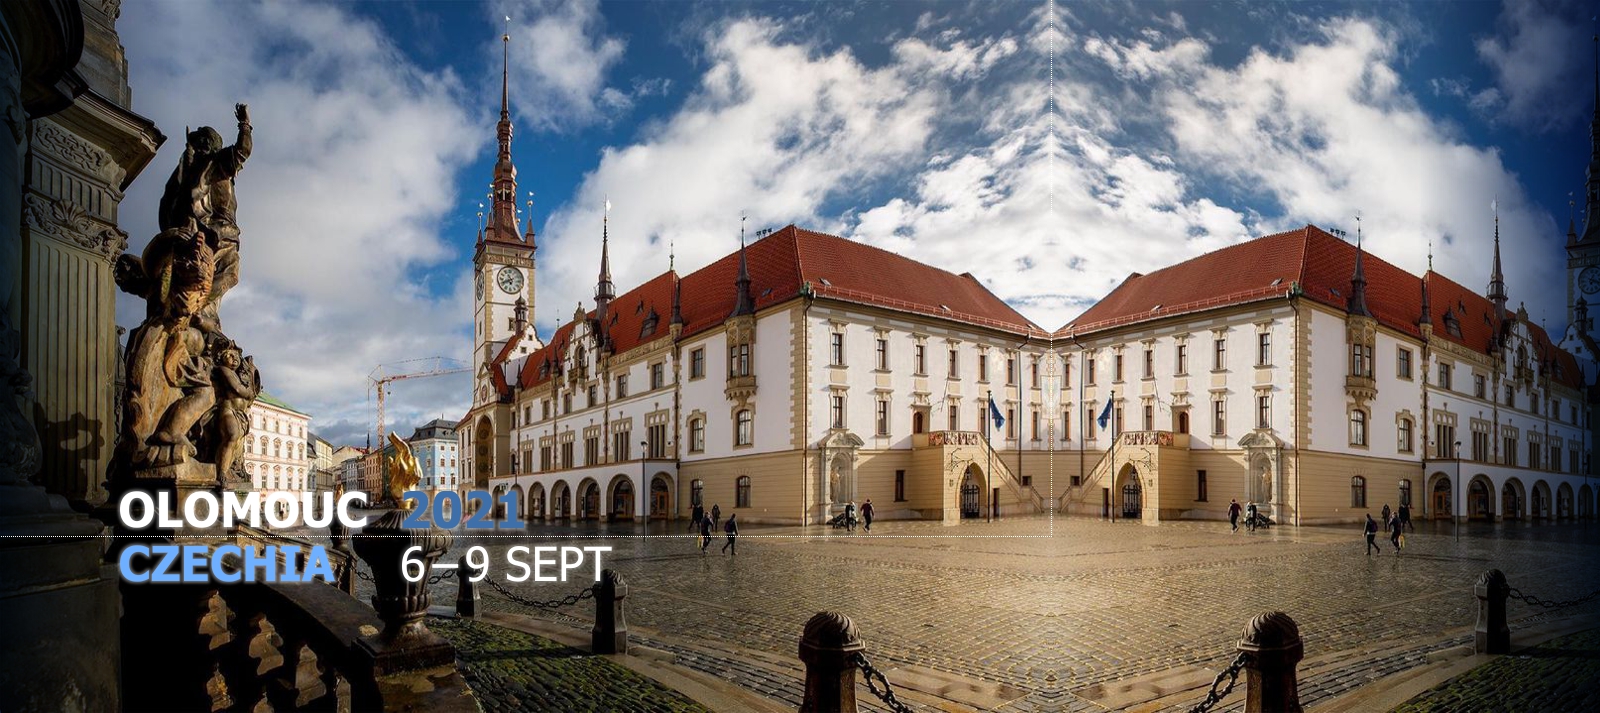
(1051, 611)
(513, 671)
(1558, 675)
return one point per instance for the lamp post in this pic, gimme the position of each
(644, 453)
(1457, 505)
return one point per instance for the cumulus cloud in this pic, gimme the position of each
(560, 59)
(1537, 61)
(356, 152)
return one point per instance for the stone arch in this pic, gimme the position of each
(660, 497)
(972, 492)
(1513, 500)
(482, 452)
(561, 500)
(837, 484)
(1564, 506)
(1129, 494)
(1441, 496)
(1264, 460)
(534, 506)
(1480, 498)
(1540, 506)
(522, 501)
(1586, 502)
(497, 511)
(587, 501)
(621, 498)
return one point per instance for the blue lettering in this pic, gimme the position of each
(194, 563)
(162, 572)
(289, 553)
(265, 561)
(319, 566)
(220, 573)
(125, 564)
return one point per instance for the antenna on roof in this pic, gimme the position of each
(672, 255)
(1430, 254)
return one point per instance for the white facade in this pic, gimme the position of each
(276, 454)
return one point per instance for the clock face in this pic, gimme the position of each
(1589, 280)
(509, 279)
(480, 285)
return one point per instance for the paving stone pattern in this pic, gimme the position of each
(1560, 675)
(1096, 602)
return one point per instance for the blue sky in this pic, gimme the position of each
(924, 128)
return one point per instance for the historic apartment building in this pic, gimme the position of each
(438, 455)
(1301, 373)
(276, 454)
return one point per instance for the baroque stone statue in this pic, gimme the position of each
(187, 389)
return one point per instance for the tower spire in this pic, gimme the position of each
(604, 290)
(503, 190)
(1497, 280)
(743, 303)
(1357, 304)
(1427, 307)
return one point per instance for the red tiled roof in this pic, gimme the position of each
(625, 320)
(1321, 265)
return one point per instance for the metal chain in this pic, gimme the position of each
(440, 577)
(1517, 594)
(547, 605)
(362, 575)
(1215, 696)
(874, 677)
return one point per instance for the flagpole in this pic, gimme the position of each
(1111, 453)
(988, 431)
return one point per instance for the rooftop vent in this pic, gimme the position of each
(825, 282)
(1276, 282)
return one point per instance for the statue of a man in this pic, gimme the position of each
(201, 189)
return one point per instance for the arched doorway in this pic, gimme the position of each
(560, 501)
(1540, 501)
(483, 453)
(621, 500)
(1511, 500)
(588, 500)
(660, 498)
(919, 422)
(1183, 421)
(972, 493)
(1131, 494)
(1480, 501)
(535, 504)
(1585, 502)
(1442, 497)
(1564, 502)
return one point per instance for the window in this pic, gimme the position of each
(883, 354)
(741, 492)
(883, 417)
(955, 416)
(697, 492)
(566, 403)
(1264, 349)
(1404, 440)
(697, 435)
(955, 363)
(544, 408)
(836, 348)
(1117, 424)
(1533, 456)
(1511, 395)
(983, 367)
(594, 395)
(1200, 486)
(1358, 427)
(1033, 372)
(1478, 388)
(1149, 364)
(697, 363)
(1445, 440)
(591, 451)
(1405, 492)
(658, 375)
(1533, 403)
(1358, 492)
(836, 404)
(1444, 375)
(738, 360)
(1555, 456)
(544, 458)
(1263, 411)
(621, 446)
(1066, 426)
(1183, 421)
(1011, 371)
(1219, 355)
(742, 428)
(1182, 359)
(622, 386)
(899, 486)
(1509, 454)
(1219, 417)
(566, 455)
(1149, 417)
(920, 352)
(656, 438)
(1011, 423)
(1480, 446)
(1088, 372)
(1116, 369)
(1402, 367)
(1360, 360)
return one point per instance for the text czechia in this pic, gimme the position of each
(140, 564)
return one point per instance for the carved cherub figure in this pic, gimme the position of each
(237, 384)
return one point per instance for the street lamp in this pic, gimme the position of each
(1457, 505)
(644, 452)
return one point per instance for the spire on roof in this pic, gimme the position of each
(743, 303)
(677, 300)
(527, 236)
(604, 290)
(503, 190)
(1357, 304)
(1497, 280)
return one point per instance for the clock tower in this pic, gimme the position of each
(1583, 254)
(503, 264)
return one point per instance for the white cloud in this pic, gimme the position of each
(560, 58)
(1537, 62)
(356, 152)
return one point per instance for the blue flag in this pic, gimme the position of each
(1105, 414)
(994, 413)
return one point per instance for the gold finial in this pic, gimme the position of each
(404, 472)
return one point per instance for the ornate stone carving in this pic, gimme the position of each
(68, 222)
(71, 149)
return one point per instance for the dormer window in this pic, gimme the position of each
(1452, 324)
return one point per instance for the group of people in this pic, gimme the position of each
(707, 523)
(850, 515)
(1396, 522)
(1252, 515)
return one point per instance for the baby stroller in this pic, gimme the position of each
(1260, 521)
(842, 520)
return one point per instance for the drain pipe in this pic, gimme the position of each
(1083, 442)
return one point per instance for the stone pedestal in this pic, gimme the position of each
(1272, 648)
(610, 632)
(1492, 635)
(405, 644)
(828, 648)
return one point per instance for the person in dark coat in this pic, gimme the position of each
(716, 514)
(1233, 514)
(866, 514)
(1405, 517)
(705, 534)
(1250, 516)
(850, 516)
(1372, 533)
(1395, 528)
(1384, 516)
(696, 516)
(731, 529)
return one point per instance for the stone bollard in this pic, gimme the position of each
(1491, 635)
(610, 633)
(405, 643)
(466, 592)
(828, 648)
(1272, 648)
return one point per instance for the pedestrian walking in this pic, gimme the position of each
(866, 514)
(705, 534)
(1405, 517)
(1395, 530)
(731, 529)
(716, 514)
(1233, 514)
(1385, 515)
(1371, 532)
(695, 516)
(850, 516)
(1250, 516)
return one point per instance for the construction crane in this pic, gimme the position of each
(384, 374)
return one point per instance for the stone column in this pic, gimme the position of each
(828, 648)
(1272, 648)
(1491, 635)
(610, 632)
